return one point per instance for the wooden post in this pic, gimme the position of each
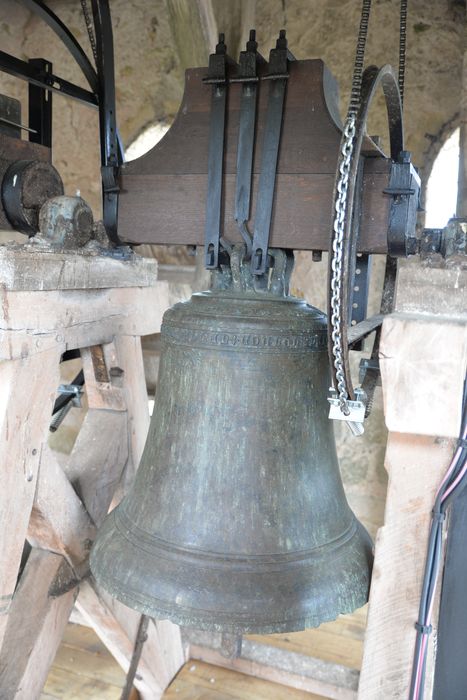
(27, 391)
(423, 361)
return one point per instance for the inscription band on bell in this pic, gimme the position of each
(315, 341)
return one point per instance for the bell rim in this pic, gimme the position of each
(193, 620)
(343, 600)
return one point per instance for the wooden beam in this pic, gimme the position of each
(27, 269)
(59, 522)
(36, 326)
(415, 465)
(163, 650)
(270, 663)
(426, 358)
(98, 459)
(27, 392)
(422, 361)
(35, 627)
(39, 321)
(100, 391)
(129, 357)
(194, 30)
(162, 657)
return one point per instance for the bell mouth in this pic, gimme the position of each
(259, 595)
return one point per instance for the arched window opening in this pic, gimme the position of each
(146, 140)
(441, 192)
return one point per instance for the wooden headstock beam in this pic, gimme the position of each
(163, 193)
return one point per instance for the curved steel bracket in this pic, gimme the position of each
(61, 30)
(373, 78)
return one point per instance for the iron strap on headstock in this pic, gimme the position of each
(217, 77)
(248, 76)
(278, 75)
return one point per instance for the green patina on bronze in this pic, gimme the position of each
(237, 519)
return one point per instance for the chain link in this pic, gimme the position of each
(89, 27)
(340, 208)
(402, 46)
(359, 58)
(340, 213)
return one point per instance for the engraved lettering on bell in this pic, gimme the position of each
(190, 336)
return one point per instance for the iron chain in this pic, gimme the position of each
(402, 46)
(340, 208)
(340, 214)
(89, 25)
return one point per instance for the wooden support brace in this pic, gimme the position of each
(423, 360)
(59, 522)
(42, 316)
(28, 388)
(116, 625)
(35, 627)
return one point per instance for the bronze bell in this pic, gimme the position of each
(237, 520)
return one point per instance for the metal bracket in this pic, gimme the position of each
(404, 188)
(73, 393)
(359, 266)
(40, 106)
(247, 75)
(278, 75)
(449, 243)
(358, 296)
(25, 71)
(369, 364)
(217, 77)
(356, 415)
(111, 150)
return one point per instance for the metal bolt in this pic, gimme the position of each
(405, 156)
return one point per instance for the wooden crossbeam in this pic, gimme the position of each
(290, 668)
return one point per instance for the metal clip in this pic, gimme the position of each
(73, 390)
(356, 415)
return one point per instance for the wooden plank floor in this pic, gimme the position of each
(84, 669)
(200, 681)
(340, 641)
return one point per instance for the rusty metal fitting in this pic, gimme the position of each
(66, 222)
(26, 185)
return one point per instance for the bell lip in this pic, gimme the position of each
(193, 620)
(239, 622)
